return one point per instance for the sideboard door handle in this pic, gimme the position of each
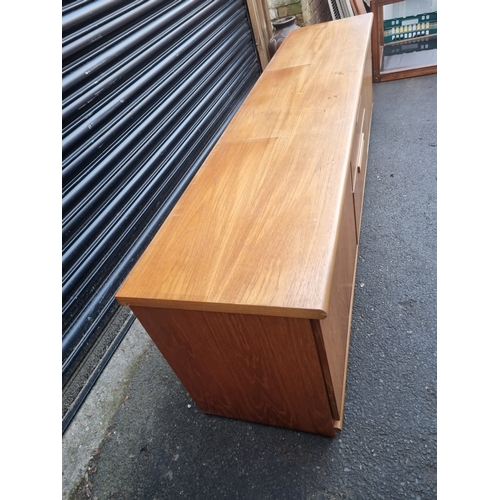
(360, 152)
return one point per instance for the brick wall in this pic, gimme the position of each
(315, 11)
(284, 8)
(307, 11)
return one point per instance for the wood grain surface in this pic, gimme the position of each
(256, 229)
(257, 368)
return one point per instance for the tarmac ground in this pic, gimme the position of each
(139, 435)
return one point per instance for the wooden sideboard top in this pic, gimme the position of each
(255, 231)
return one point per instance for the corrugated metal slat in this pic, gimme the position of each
(148, 86)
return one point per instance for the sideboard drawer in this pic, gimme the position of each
(360, 145)
(359, 183)
(356, 142)
(333, 332)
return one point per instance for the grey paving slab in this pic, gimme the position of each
(158, 445)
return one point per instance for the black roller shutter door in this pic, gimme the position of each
(148, 87)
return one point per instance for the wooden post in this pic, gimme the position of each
(262, 29)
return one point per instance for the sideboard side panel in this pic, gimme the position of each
(257, 368)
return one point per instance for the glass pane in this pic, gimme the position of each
(410, 34)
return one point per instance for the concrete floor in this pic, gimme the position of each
(140, 436)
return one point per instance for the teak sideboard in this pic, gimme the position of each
(247, 288)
